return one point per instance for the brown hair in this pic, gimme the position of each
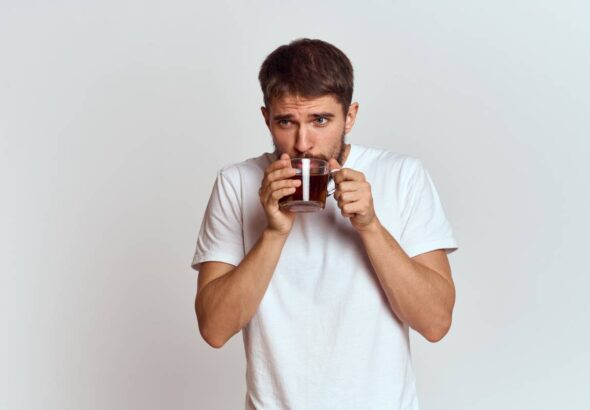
(307, 68)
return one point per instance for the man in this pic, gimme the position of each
(324, 300)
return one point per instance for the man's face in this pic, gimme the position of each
(309, 127)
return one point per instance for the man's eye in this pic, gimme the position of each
(284, 123)
(321, 120)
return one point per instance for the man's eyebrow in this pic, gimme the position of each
(322, 114)
(279, 117)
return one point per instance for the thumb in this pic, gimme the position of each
(285, 157)
(334, 165)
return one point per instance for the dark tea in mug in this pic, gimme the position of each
(310, 195)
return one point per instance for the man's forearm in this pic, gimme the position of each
(226, 304)
(418, 295)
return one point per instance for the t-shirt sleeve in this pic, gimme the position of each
(220, 237)
(426, 227)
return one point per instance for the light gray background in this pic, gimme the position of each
(116, 115)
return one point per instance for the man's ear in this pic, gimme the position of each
(266, 115)
(351, 117)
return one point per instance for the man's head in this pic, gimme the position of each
(307, 87)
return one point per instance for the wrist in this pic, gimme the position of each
(370, 229)
(275, 235)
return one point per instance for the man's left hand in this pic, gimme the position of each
(353, 194)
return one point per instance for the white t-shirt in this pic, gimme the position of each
(324, 336)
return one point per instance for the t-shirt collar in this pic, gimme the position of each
(351, 158)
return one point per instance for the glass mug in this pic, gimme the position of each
(310, 195)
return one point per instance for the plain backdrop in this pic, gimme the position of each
(116, 115)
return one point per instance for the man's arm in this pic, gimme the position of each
(228, 297)
(420, 290)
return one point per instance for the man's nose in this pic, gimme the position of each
(304, 140)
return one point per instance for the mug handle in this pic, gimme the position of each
(331, 191)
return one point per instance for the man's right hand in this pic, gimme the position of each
(275, 185)
(222, 287)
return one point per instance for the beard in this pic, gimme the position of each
(337, 152)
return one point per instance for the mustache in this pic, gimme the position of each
(338, 156)
(310, 156)
(278, 154)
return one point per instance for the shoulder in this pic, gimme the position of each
(249, 168)
(391, 162)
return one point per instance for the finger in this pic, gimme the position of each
(334, 168)
(279, 164)
(352, 209)
(344, 213)
(347, 174)
(349, 186)
(284, 162)
(267, 195)
(284, 183)
(347, 197)
(334, 165)
(270, 188)
(274, 197)
(282, 173)
(267, 189)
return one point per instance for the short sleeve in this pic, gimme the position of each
(220, 237)
(425, 225)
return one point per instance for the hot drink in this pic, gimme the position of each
(316, 199)
(311, 194)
